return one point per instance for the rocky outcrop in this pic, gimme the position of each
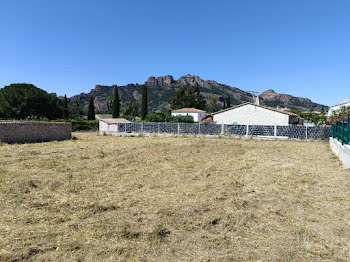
(162, 81)
(160, 89)
(271, 98)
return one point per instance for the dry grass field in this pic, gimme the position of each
(101, 198)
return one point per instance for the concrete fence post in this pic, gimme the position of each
(199, 128)
(275, 131)
(222, 128)
(158, 128)
(117, 128)
(306, 135)
(247, 131)
(178, 128)
(142, 127)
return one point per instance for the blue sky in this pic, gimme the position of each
(299, 47)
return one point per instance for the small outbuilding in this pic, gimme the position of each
(251, 114)
(109, 124)
(197, 114)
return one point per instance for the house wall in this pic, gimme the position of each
(105, 128)
(252, 115)
(32, 131)
(334, 108)
(196, 116)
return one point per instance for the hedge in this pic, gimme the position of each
(84, 125)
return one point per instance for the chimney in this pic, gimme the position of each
(257, 100)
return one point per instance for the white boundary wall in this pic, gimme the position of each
(342, 151)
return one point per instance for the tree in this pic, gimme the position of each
(20, 101)
(116, 103)
(212, 105)
(65, 108)
(91, 109)
(144, 109)
(224, 106)
(76, 112)
(187, 96)
(131, 109)
(109, 102)
(228, 105)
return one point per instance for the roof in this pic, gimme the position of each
(344, 103)
(103, 116)
(249, 103)
(188, 110)
(115, 120)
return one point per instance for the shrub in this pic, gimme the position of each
(83, 125)
(182, 119)
(155, 117)
(166, 117)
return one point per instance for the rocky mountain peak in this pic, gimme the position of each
(269, 91)
(163, 87)
(164, 81)
(195, 80)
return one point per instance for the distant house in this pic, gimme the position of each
(197, 114)
(338, 106)
(251, 114)
(109, 124)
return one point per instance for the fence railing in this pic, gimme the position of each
(291, 131)
(341, 131)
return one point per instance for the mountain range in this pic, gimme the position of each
(160, 89)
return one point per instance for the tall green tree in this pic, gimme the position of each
(20, 101)
(109, 102)
(116, 103)
(65, 108)
(75, 111)
(187, 96)
(212, 104)
(131, 109)
(91, 109)
(228, 102)
(144, 108)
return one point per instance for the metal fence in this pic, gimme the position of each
(341, 131)
(292, 131)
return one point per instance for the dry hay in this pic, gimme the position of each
(101, 198)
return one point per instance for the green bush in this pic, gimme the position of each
(155, 117)
(84, 125)
(167, 117)
(182, 119)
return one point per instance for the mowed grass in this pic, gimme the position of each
(101, 198)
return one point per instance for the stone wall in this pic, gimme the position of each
(33, 131)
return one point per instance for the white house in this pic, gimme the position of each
(197, 114)
(251, 114)
(109, 124)
(338, 106)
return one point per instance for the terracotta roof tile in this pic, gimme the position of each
(188, 110)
